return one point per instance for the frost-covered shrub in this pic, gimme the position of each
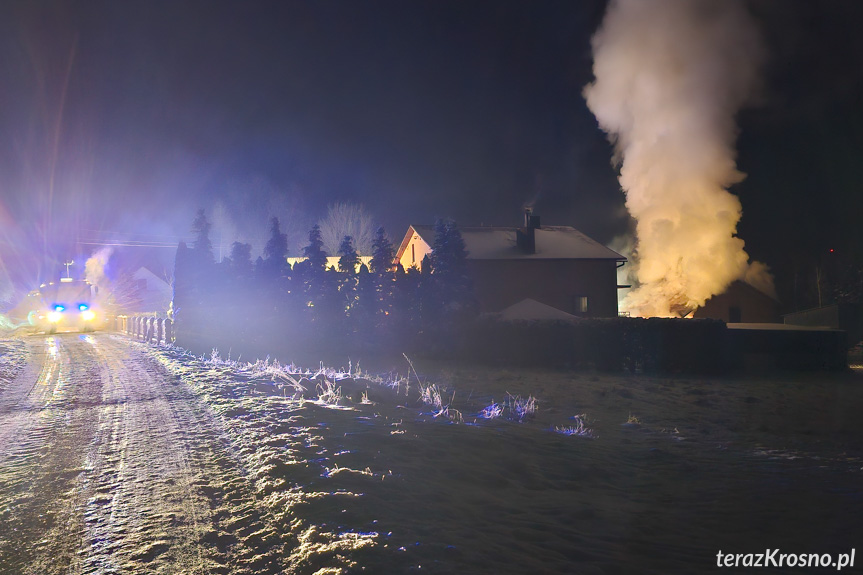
(519, 408)
(492, 411)
(579, 427)
(329, 392)
(431, 395)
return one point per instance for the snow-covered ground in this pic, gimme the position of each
(235, 467)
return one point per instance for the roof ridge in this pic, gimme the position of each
(499, 242)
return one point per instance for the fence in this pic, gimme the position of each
(653, 345)
(147, 328)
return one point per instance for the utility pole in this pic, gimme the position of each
(818, 277)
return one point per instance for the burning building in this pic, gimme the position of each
(670, 75)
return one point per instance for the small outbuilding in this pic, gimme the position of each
(555, 265)
(741, 303)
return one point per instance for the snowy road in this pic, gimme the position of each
(109, 464)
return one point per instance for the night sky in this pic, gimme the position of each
(120, 119)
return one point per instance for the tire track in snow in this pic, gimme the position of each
(109, 465)
(45, 417)
(141, 512)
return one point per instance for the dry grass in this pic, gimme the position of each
(329, 392)
(519, 408)
(579, 427)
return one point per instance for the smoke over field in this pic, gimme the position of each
(670, 76)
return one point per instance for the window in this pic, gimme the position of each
(413, 253)
(734, 314)
(579, 304)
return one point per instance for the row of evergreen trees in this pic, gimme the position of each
(310, 303)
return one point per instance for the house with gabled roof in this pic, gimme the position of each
(152, 294)
(555, 265)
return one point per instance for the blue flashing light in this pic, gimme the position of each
(59, 307)
(83, 307)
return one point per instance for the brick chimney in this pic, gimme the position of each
(526, 237)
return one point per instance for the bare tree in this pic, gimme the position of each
(347, 219)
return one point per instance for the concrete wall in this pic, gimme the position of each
(844, 316)
(797, 349)
(654, 345)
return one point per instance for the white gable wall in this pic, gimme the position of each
(414, 253)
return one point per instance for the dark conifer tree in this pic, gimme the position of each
(364, 318)
(276, 251)
(402, 295)
(202, 247)
(309, 275)
(401, 323)
(347, 267)
(202, 268)
(314, 252)
(449, 256)
(383, 253)
(426, 266)
(329, 309)
(241, 261)
(181, 296)
(196, 287)
(383, 269)
(180, 284)
(201, 263)
(429, 304)
(413, 293)
(452, 284)
(348, 257)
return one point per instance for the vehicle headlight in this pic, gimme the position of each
(88, 315)
(54, 316)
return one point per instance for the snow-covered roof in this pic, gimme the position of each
(530, 309)
(154, 282)
(156, 296)
(552, 242)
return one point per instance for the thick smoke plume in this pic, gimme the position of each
(94, 269)
(670, 76)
